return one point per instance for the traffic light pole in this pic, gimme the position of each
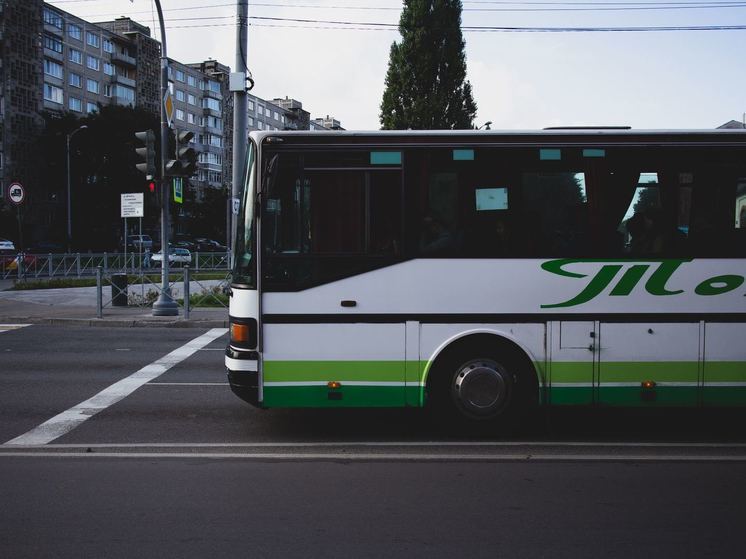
(165, 305)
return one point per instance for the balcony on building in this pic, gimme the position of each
(214, 94)
(54, 30)
(54, 55)
(211, 112)
(124, 80)
(119, 57)
(121, 100)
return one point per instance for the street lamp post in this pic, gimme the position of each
(69, 205)
(165, 305)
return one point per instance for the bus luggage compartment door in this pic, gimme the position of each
(649, 364)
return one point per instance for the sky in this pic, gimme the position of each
(520, 80)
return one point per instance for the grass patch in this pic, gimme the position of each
(54, 283)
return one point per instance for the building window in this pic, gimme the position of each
(52, 44)
(91, 107)
(108, 46)
(74, 80)
(76, 105)
(191, 99)
(53, 69)
(192, 81)
(214, 86)
(277, 115)
(107, 90)
(92, 86)
(179, 114)
(92, 39)
(76, 56)
(126, 94)
(251, 121)
(52, 18)
(212, 104)
(53, 93)
(190, 118)
(251, 105)
(92, 62)
(74, 31)
(180, 95)
(179, 75)
(108, 69)
(260, 125)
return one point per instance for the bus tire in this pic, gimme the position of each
(483, 383)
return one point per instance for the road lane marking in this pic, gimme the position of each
(9, 327)
(384, 457)
(68, 420)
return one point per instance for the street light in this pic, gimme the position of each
(69, 212)
(486, 125)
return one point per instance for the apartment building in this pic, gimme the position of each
(55, 62)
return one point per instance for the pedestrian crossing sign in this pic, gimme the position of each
(178, 190)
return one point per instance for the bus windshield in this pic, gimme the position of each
(244, 272)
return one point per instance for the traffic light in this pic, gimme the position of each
(146, 153)
(186, 154)
(184, 162)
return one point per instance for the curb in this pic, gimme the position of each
(119, 323)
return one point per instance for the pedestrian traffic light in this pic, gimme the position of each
(186, 154)
(151, 187)
(146, 153)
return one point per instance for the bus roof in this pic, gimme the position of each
(581, 135)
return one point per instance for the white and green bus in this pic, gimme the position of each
(485, 273)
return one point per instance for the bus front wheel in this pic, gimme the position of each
(478, 384)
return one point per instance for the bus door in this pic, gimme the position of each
(332, 225)
(573, 351)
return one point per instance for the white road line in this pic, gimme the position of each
(9, 327)
(367, 457)
(70, 419)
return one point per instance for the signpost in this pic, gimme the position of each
(16, 195)
(133, 205)
(178, 190)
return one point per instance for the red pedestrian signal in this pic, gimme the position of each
(151, 186)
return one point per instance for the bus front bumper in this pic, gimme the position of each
(243, 374)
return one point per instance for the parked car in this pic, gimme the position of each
(5, 244)
(46, 247)
(175, 256)
(208, 245)
(139, 242)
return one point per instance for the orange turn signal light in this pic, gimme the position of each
(334, 384)
(648, 384)
(240, 333)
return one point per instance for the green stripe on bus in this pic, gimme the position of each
(633, 396)
(347, 396)
(571, 372)
(659, 371)
(725, 371)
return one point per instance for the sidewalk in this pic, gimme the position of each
(77, 306)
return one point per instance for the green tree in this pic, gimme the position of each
(426, 86)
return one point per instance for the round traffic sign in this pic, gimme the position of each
(16, 193)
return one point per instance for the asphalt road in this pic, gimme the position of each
(178, 466)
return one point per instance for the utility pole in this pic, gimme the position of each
(165, 305)
(240, 118)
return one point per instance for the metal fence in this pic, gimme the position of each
(48, 266)
(188, 288)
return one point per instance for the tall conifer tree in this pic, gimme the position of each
(426, 86)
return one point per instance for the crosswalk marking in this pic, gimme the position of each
(9, 327)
